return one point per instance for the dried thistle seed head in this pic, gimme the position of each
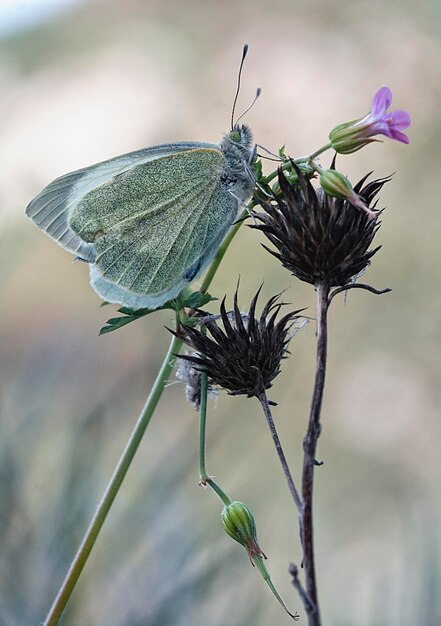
(191, 378)
(242, 356)
(319, 238)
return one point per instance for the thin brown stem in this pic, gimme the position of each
(377, 292)
(289, 479)
(309, 459)
(294, 571)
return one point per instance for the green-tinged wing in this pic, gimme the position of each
(156, 226)
(52, 209)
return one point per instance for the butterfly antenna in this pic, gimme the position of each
(277, 156)
(239, 75)
(258, 92)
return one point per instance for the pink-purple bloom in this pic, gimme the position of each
(380, 122)
(352, 136)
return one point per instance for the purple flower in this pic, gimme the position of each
(380, 122)
(352, 136)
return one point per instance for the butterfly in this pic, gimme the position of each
(149, 222)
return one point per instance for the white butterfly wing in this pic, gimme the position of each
(110, 292)
(52, 208)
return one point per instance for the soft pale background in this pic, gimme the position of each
(94, 79)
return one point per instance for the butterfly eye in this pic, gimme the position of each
(235, 136)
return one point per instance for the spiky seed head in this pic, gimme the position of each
(318, 238)
(239, 352)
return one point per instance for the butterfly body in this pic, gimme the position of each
(150, 221)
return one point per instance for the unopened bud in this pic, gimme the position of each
(239, 523)
(336, 185)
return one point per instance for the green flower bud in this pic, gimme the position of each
(239, 523)
(336, 185)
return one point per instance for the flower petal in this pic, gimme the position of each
(399, 136)
(399, 120)
(381, 127)
(381, 102)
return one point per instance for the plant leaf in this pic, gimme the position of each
(194, 300)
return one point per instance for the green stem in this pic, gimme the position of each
(318, 152)
(318, 168)
(286, 165)
(204, 478)
(260, 564)
(222, 250)
(103, 508)
(299, 161)
(220, 492)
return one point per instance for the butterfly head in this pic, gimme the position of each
(239, 151)
(241, 135)
(239, 142)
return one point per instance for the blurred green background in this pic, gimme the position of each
(83, 81)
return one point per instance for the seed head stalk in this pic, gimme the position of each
(280, 453)
(309, 459)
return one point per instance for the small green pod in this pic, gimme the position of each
(239, 523)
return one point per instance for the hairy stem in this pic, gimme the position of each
(103, 508)
(289, 479)
(309, 459)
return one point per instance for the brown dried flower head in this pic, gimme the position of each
(241, 353)
(319, 238)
